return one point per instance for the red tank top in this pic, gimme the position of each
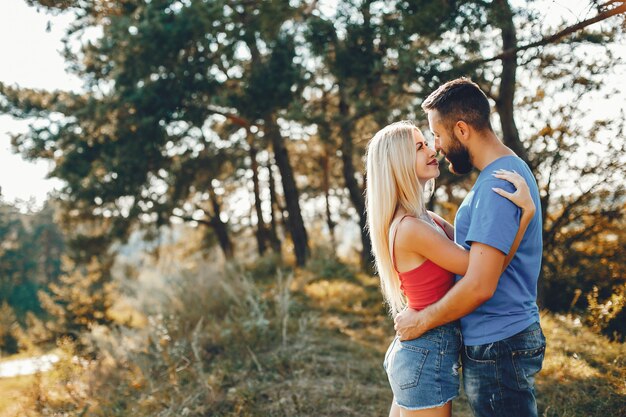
(425, 284)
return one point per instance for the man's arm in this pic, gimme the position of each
(476, 287)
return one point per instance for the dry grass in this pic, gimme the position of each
(584, 374)
(221, 343)
(12, 397)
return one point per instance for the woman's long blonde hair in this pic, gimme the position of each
(391, 183)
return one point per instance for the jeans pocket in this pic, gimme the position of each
(406, 366)
(482, 353)
(526, 364)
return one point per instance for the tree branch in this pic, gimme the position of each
(191, 219)
(557, 36)
(240, 121)
(573, 204)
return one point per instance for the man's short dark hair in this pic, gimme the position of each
(460, 99)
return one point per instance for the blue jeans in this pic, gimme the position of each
(499, 377)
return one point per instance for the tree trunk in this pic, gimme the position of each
(220, 228)
(295, 223)
(506, 94)
(324, 162)
(274, 240)
(354, 190)
(326, 138)
(261, 233)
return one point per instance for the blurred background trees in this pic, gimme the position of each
(249, 120)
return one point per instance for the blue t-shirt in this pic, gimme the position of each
(491, 219)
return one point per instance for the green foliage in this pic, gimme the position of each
(584, 267)
(270, 83)
(16, 253)
(80, 300)
(148, 146)
(325, 264)
(265, 268)
(30, 256)
(8, 330)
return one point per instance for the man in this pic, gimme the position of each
(503, 342)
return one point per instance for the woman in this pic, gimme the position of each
(423, 373)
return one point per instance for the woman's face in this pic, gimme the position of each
(427, 166)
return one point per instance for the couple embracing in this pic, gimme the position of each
(465, 292)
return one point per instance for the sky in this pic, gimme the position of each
(35, 61)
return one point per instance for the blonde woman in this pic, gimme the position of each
(416, 260)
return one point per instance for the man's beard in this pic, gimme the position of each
(459, 157)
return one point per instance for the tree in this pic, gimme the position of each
(81, 299)
(8, 329)
(17, 260)
(367, 59)
(121, 143)
(238, 75)
(30, 252)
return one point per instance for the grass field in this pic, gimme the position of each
(322, 356)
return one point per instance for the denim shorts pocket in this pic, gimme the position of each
(527, 363)
(453, 343)
(407, 365)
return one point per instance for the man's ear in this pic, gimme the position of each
(462, 131)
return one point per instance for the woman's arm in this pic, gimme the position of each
(418, 236)
(521, 197)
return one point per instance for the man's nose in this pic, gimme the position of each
(438, 145)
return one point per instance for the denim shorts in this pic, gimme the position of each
(499, 377)
(424, 372)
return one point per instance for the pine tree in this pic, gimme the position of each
(8, 329)
(81, 298)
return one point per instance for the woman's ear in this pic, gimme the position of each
(462, 131)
